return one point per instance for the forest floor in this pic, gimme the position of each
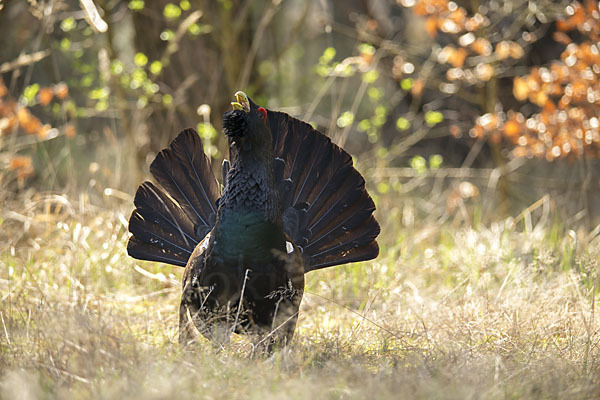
(499, 311)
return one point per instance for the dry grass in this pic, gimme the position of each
(491, 312)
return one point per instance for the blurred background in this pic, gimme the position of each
(474, 122)
(455, 111)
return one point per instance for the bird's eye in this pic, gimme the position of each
(262, 114)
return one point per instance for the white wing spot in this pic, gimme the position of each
(290, 247)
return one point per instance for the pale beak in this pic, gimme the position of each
(242, 102)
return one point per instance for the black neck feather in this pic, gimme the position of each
(250, 186)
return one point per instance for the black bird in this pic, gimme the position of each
(291, 203)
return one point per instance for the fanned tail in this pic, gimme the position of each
(327, 210)
(170, 220)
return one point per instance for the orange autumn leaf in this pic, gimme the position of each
(503, 50)
(458, 16)
(417, 87)
(516, 51)
(372, 24)
(484, 72)
(482, 47)
(520, 88)
(23, 166)
(455, 131)
(27, 121)
(18, 162)
(431, 24)
(420, 9)
(70, 131)
(45, 96)
(549, 107)
(562, 38)
(456, 57)
(512, 128)
(61, 90)
(540, 98)
(475, 22)
(3, 89)
(42, 132)
(570, 23)
(12, 122)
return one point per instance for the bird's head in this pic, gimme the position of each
(246, 125)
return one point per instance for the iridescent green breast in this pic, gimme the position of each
(248, 237)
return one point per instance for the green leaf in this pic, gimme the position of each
(142, 102)
(327, 56)
(364, 125)
(171, 11)
(140, 59)
(101, 105)
(68, 24)
(432, 118)
(366, 48)
(402, 124)
(206, 131)
(99, 94)
(194, 29)
(375, 93)
(435, 161)
(87, 80)
(138, 76)
(419, 164)
(406, 84)
(136, 5)
(323, 70)
(345, 119)
(30, 92)
(167, 99)
(116, 67)
(383, 187)
(370, 76)
(167, 35)
(382, 152)
(184, 5)
(65, 44)
(156, 67)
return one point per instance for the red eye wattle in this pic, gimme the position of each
(263, 112)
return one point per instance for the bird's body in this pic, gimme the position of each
(245, 253)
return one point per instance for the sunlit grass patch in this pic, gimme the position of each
(449, 312)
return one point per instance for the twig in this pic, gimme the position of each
(529, 209)
(67, 373)
(5, 330)
(158, 277)
(276, 329)
(24, 60)
(237, 314)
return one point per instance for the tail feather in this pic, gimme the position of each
(362, 253)
(146, 251)
(169, 221)
(360, 235)
(341, 203)
(350, 219)
(157, 236)
(334, 221)
(184, 171)
(156, 207)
